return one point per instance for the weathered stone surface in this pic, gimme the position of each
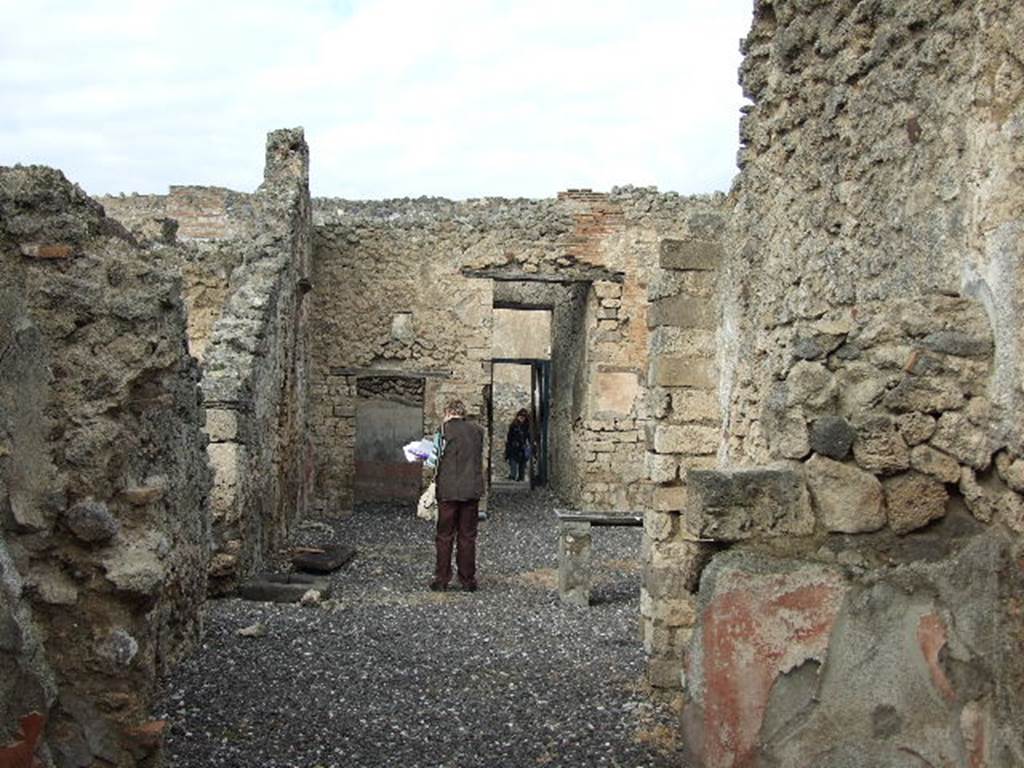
(683, 372)
(574, 545)
(669, 498)
(916, 428)
(810, 384)
(924, 394)
(929, 461)
(659, 525)
(103, 397)
(329, 560)
(954, 342)
(989, 500)
(1011, 470)
(732, 505)
(675, 610)
(91, 521)
(690, 254)
(832, 436)
(119, 647)
(913, 500)
(692, 439)
(682, 311)
(137, 569)
(958, 437)
(52, 585)
(878, 447)
(846, 499)
(690, 405)
(662, 468)
(789, 436)
(221, 425)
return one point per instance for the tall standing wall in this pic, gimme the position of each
(104, 528)
(244, 261)
(870, 494)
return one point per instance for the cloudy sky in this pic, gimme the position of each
(460, 98)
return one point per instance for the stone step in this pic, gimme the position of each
(333, 557)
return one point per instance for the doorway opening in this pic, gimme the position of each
(520, 381)
(520, 384)
(389, 414)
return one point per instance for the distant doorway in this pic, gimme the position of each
(520, 384)
(520, 380)
(389, 414)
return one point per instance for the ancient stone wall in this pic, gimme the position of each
(411, 286)
(210, 228)
(245, 264)
(256, 374)
(869, 356)
(104, 532)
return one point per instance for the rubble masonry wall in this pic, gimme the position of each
(245, 263)
(870, 361)
(104, 532)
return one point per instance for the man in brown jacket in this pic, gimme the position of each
(460, 484)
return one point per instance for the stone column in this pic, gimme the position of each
(574, 563)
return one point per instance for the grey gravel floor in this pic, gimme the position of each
(390, 674)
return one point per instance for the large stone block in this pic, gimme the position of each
(690, 254)
(846, 499)
(879, 447)
(957, 436)
(695, 372)
(913, 500)
(659, 525)
(738, 504)
(661, 468)
(933, 462)
(695, 405)
(669, 498)
(693, 439)
(832, 436)
(682, 311)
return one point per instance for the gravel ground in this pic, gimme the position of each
(388, 673)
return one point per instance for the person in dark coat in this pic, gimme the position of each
(518, 445)
(460, 486)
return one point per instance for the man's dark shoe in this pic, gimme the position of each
(469, 587)
(438, 586)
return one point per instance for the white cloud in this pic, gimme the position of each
(398, 97)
